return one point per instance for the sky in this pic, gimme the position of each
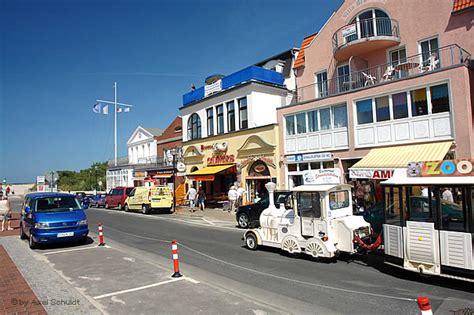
(57, 57)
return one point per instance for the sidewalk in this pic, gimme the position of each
(208, 213)
(15, 224)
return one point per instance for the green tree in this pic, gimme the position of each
(83, 180)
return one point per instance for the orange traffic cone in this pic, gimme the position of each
(424, 305)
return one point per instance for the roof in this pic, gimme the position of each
(155, 131)
(400, 156)
(461, 5)
(320, 187)
(36, 195)
(301, 55)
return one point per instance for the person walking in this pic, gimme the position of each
(240, 196)
(201, 198)
(232, 195)
(191, 196)
(5, 213)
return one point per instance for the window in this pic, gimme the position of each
(419, 104)
(290, 125)
(428, 47)
(210, 121)
(393, 200)
(325, 116)
(309, 205)
(220, 119)
(338, 199)
(303, 166)
(340, 116)
(364, 112)
(194, 127)
(439, 98)
(292, 167)
(230, 116)
(397, 57)
(370, 23)
(322, 84)
(313, 121)
(343, 78)
(243, 113)
(382, 108)
(301, 123)
(400, 105)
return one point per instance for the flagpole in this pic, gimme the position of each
(115, 122)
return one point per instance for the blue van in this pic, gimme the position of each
(50, 217)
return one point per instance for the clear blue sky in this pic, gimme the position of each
(57, 57)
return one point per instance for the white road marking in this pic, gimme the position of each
(322, 286)
(117, 300)
(131, 259)
(192, 280)
(90, 278)
(210, 222)
(70, 250)
(138, 288)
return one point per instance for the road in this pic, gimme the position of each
(297, 285)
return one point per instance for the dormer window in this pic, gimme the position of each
(373, 22)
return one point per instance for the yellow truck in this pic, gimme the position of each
(147, 199)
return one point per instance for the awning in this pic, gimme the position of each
(163, 175)
(390, 158)
(211, 170)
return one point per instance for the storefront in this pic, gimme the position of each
(245, 159)
(383, 163)
(297, 165)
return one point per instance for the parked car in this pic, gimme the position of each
(146, 199)
(116, 197)
(52, 217)
(97, 200)
(248, 216)
(80, 196)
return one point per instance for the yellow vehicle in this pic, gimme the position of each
(146, 199)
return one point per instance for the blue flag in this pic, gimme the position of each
(96, 108)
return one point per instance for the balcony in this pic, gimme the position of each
(251, 73)
(365, 36)
(151, 162)
(417, 65)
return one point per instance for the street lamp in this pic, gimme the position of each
(173, 152)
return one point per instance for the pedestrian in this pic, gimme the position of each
(201, 198)
(191, 196)
(5, 212)
(8, 190)
(448, 195)
(232, 195)
(240, 196)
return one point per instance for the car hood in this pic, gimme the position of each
(54, 217)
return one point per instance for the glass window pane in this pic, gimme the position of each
(419, 104)
(364, 112)
(230, 116)
(243, 119)
(303, 166)
(400, 105)
(452, 203)
(338, 199)
(301, 123)
(292, 167)
(315, 165)
(313, 121)
(382, 108)
(392, 206)
(210, 122)
(439, 98)
(290, 125)
(220, 119)
(325, 116)
(340, 116)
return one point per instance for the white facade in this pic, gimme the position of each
(142, 147)
(262, 102)
(119, 178)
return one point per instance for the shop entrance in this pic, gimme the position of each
(258, 176)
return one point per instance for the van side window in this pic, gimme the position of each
(309, 204)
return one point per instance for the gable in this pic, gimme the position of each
(140, 135)
(255, 142)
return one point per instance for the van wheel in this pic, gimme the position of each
(126, 207)
(32, 242)
(22, 233)
(144, 209)
(251, 241)
(119, 206)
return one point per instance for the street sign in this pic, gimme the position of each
(40, 180)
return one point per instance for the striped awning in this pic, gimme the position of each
(211, 170)
(400, 156)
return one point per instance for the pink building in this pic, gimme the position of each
(382, 83)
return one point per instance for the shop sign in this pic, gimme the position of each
(266, 160)
(40, 188)
(441, 168)
(139, 174)
(370, 173)
(348, 30)
(212, 88)
(206, 147)
(181, 167)
(310, 157)
(221, 159)
(40, 180)
(322, 177)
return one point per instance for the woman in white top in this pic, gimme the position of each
(5, 213)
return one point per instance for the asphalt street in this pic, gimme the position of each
(215, 253)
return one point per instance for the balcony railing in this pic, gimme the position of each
(419, 64)
(147, 162)
(365, 29)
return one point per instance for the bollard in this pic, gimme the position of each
(174, 250)
(424, 305)
(101, 235)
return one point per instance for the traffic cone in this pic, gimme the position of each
(101, 235)
(174, 251)
(424, 305)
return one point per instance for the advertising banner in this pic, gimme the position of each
(322, 177)
(368, 173)
(441, 168)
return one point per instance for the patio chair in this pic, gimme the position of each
(369, 79)
(389, 73)
(429, 64)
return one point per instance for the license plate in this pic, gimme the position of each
(65, 234)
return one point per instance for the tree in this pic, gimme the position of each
(84, 180)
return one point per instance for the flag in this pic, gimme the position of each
(96, 108)
(119, 109)
(105, 110)
(126, 109)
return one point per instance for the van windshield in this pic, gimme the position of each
(57, 204)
